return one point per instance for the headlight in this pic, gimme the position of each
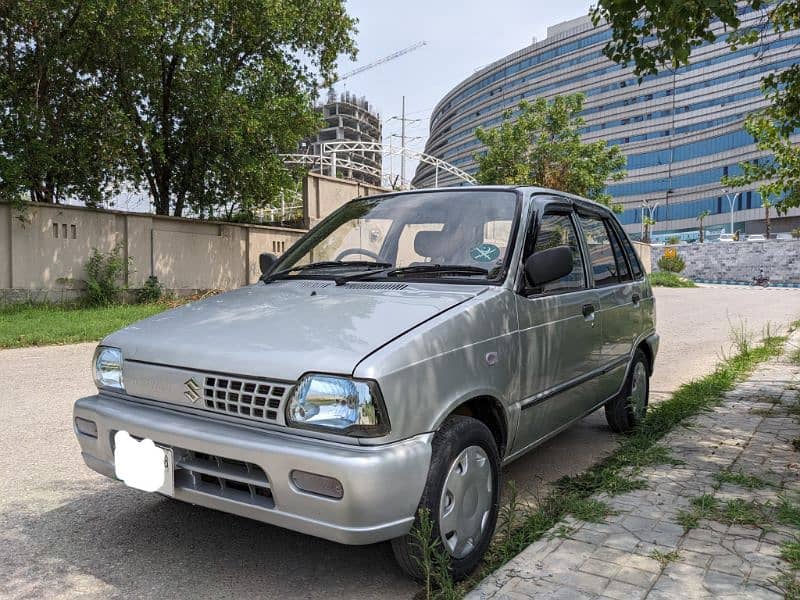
(108, 367)
(350, 406)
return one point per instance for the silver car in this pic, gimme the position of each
(391, 361)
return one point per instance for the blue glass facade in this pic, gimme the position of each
(681, 131)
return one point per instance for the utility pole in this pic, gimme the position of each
(403, 140)
(403, 143)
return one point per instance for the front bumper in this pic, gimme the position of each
(382, 484)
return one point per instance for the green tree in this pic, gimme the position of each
(702, 217)
(679, 27)
(539, 144)
(648, 222)
(189, 101)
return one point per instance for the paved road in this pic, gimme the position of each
(66, 532)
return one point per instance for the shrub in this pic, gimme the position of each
(796, 233)
(104, 271)
(150, 292)
(667, 279)
(671, 264)
(674, 240)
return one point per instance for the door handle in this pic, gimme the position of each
(588, 312)
(636, 299)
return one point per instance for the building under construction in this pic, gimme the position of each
(349, 119)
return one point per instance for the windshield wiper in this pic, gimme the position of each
(326, 264)
(431, 269)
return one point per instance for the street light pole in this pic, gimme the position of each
(732, 204)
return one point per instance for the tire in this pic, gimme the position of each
(625, 411)
(460, 441)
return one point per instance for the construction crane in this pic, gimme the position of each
(380, 61)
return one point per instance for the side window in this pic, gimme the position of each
(619, 257)
(558, 230)
(633, 259)
(601, 255)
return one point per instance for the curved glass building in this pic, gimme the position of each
(680, 131)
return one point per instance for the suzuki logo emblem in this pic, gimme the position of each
(192, 392)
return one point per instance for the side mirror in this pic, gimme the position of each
(549, 265)
(266, 261)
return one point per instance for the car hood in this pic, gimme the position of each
(286, 328)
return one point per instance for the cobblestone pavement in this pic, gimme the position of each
(741, 455)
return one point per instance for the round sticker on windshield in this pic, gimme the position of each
(485, 253)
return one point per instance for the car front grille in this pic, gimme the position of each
(223, 477)
(250, 398)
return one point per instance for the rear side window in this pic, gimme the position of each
(619, 256)
(601, 255)
(633, 259)
(558, 230)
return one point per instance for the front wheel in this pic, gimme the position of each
(628, 409)
(461, 498)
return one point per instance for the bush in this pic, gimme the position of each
(796, 233)
(671, 264)
(150, 292)
(667, 279)
(104, 271)
(674, 240)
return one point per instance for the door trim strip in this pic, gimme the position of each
(563, 387)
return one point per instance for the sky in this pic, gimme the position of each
(462, 36)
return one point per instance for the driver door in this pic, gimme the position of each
(560, 339)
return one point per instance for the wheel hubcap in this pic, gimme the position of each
(638, 397)
(466, 502)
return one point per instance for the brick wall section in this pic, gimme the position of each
(738, 262)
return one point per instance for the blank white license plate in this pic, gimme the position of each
(143, 465)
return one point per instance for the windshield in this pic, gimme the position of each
(439, 235)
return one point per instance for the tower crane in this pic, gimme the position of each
(380, 61)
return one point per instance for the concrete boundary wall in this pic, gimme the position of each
(43, 250)
(738, 262)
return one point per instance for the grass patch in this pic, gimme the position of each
(789, 513)
(664, 558)
(751, 482)
(732, 512)
(790, 552)
(589, 509)
(667, 279)
(520, 526)
(47, 324)
(789, 585)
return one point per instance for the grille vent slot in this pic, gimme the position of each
(223, 477)
(375, 285)
(249, 398)
(308, 283)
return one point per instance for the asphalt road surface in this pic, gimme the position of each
(66, 532)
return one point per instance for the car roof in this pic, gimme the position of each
(532, 190)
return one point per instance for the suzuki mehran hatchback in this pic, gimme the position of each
(392, 360)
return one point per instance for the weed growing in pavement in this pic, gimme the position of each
(733, 512)
(762, 412)
(788, 512)
(790, 552)
(433, 560)
(590, 510)
(789, 585)
(664, 558)
(751, 482)
(687, 519)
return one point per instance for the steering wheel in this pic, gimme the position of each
(351, 251)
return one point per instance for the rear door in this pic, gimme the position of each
(560, 339)
(619, 298)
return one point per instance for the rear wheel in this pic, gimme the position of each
(628, 409)
(460, 497)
